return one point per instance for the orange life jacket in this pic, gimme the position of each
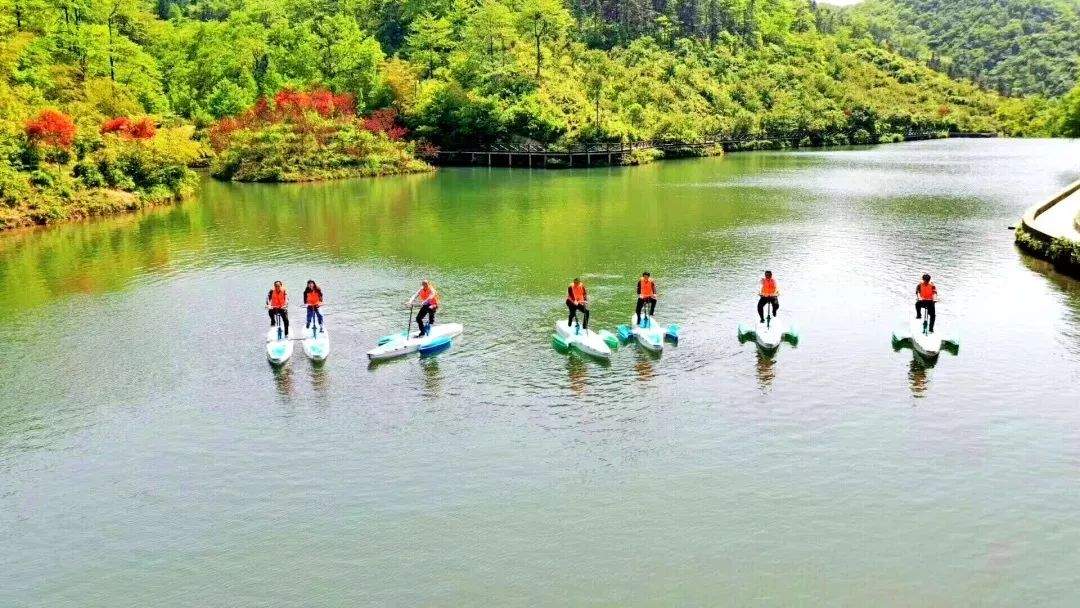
(768, 288)
(648, 288)
(314, 298)
(428, 295)
(277, 298)
(578, 291)
(927, 291)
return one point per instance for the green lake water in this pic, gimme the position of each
(149, 455)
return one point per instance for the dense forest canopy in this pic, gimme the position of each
(1012, 46)
(482, 70)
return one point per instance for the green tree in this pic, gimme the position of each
(597, 72)
(490, 27)
(1069, 125)
(430, 42)
(543, 20)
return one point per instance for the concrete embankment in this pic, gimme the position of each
(1051, 230)
(1056, 217)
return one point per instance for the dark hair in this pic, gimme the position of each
(577, 280)
(768, 273)
(926, 277)
(646, 274)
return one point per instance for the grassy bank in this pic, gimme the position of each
(1062, 253)
(56, 171)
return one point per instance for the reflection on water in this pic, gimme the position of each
(432, 377)
(918, 375)
(765, 368)
(320, 377)
(577, 373)
(283, 379)
(645, 363)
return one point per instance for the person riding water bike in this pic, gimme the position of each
(428, 298)
(926, 299)
(313, 299)
(577, 299)
(646, 294)
(277, 304)
(768, 294)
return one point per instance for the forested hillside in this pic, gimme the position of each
(1013, 46)
(303, 89)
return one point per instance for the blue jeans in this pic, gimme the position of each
(313, 313)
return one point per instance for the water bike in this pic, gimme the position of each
(922, 341)
(279, 348)
(770, 334)
(315, 342)
(650, 334)
(592, 343)
(436, 339)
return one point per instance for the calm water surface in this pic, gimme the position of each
(149, 456)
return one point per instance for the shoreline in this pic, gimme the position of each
(555, 159)
(1050, 230)
(127, 203)
(757, 145)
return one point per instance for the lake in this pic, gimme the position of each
(149, 455)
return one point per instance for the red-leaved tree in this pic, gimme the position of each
(144, 128)
(292, 104)
(295, 108)
(51, 128)
(385, 121)
(221, 133)
(120, 124)
(426, 149)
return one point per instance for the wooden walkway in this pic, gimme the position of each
(609, 153)
(584, 155)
